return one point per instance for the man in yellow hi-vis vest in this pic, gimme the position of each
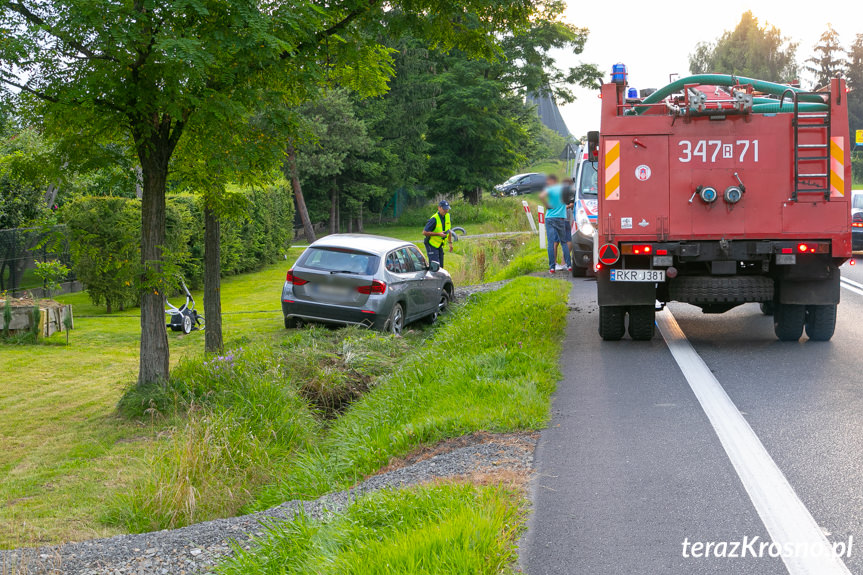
(437, 231)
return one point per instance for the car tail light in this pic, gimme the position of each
(637, 249)
(376, 288)
(291, 278)
(857, 220)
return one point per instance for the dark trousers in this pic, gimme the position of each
(435, 254)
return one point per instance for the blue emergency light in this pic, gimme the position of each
(618, 74)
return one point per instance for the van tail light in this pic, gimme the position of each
(377, 288)
(292, 279)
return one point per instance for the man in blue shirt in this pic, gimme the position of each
(556, 228)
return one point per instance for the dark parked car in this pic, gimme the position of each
(857, 221)
(521, 184)
(358, 279)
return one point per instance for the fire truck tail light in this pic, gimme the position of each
(812, 248)
(636, 249)
(787, 251)
(662, 252)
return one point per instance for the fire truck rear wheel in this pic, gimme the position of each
(578, 272)
(767, 307)
(820, 322)
(788, 321)
(642, 322)
(612, 322)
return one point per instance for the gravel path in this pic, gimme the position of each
(191, 550)
(467, 291)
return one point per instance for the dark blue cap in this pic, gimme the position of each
(444, 204)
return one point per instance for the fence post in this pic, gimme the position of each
(540, 214)
(529, 216)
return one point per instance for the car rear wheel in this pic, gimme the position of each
(820, 322)
(291, 322)
(612, 322)
(642, 322)
(396, 321)
(788, 321)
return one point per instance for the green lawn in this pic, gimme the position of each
(556, 167)
(62, 449)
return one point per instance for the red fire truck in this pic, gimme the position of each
(720, 190)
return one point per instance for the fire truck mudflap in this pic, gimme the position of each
(718, 191)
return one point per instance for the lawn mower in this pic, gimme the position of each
(184, 318)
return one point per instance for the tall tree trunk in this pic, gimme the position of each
(212, 282)
(360, 221)
(334, 210)
(350, 224)
(154, 361)
(338, 208)
(291, 172)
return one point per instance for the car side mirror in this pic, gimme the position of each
(434, 266)
(593, 146)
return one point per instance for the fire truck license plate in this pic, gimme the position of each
(638, 275)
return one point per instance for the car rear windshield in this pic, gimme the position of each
(857, 201)
(339, 260)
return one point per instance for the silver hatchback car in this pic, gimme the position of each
(358, 279)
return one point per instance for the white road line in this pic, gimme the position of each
(851, 286)
(786, 518)
(851, 282)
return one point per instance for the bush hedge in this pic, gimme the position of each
(105, 240)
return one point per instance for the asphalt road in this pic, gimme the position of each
(714, 433)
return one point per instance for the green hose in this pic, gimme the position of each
(763, 105)
(773, 108)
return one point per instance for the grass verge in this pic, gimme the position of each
(480, 260)
(492, 367)
(232, 422)
(451, 528)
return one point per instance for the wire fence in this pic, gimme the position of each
(21, 248)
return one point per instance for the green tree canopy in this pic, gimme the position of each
(828, 62)
(854, 76)
(750, 50)
(142, 72)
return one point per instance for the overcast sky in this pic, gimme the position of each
(654, 40)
